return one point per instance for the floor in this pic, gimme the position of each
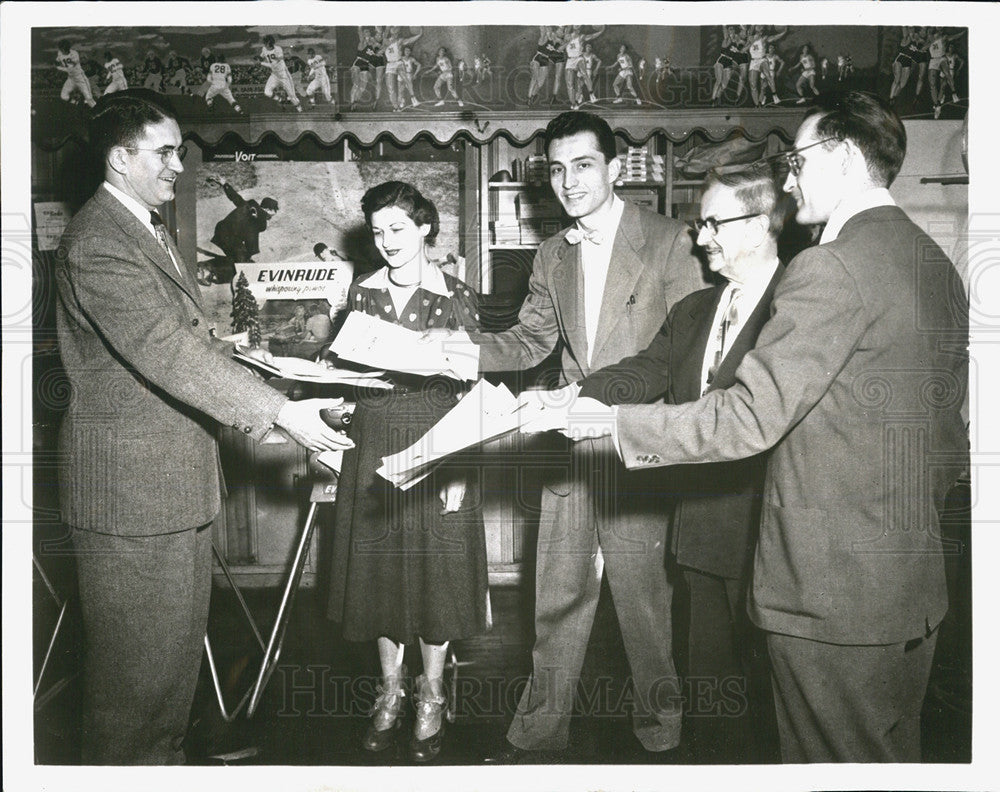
(312, 711)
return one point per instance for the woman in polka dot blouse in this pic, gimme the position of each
(409, 566)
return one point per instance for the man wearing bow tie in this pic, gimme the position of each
(139, 481)
(599, 290)
(848, 577)
(713, 531)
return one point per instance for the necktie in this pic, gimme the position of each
(575, 235)
(161, 237)
(729, 318)
(160, 230)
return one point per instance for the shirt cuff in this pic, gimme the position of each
(614, 433)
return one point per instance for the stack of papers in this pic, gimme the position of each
(307, 371)
(485, 413)
(385, 345)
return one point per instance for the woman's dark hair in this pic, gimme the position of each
(121, 118)
(408, 198)
(870, 124)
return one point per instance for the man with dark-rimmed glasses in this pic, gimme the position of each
(139, 482)
(856, 386)
(713, 531)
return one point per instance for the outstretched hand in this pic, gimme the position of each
(302, 421)
(588, 419)
(543, 411)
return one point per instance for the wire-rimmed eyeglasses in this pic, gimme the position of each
(166, 152)
(791, 158)
(713, 223)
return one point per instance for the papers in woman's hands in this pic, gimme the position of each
(484, 413)
(369, 340)
(307, 371)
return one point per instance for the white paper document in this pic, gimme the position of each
(308, 371)
(385, 345)
(484, 413)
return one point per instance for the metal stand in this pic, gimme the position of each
(274, 643)
(323, 491)
(63, 604)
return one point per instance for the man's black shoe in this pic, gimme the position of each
(510, 754)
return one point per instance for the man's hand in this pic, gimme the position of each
(588, 419)
(455, 353)
(452, 494)
(257, 353)
(543, 411)
(302, 422)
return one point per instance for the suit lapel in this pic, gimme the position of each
(690, 336)
(569, 299)
(148, 245)
(624, 270)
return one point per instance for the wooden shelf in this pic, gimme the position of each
(516, 185)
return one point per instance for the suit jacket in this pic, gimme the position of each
(148, 381)
(652, 266)
(715, 520)
(242, 226)
(857, 383)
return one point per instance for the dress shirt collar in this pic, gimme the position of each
(431, 279)
(756, 282)
(606, 225)
(136, 208)
(846, 209)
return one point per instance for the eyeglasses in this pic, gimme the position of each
(166, 152)
(712, 223)
(793, 158)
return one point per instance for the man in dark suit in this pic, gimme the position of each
(714, 525)
(140, 484)
(857, 385)
(599, 290)
(238, 233)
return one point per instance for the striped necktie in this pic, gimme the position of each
(729, 318)
(161, 236)
(160, 230)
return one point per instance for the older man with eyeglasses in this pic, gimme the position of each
(856, 387)
(139, 474)
(713, 531)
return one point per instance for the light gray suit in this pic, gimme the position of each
(589, 501)
(141, 473)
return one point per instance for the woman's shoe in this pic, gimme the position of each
(384, 726)
(428, 730)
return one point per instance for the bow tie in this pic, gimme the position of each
(574, 235)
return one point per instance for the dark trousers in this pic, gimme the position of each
(144, 602)
(840, 703)
(729, 699)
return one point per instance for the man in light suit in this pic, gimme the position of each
(714, 526)
(600, 290)
(856, 384)
(140, 481)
